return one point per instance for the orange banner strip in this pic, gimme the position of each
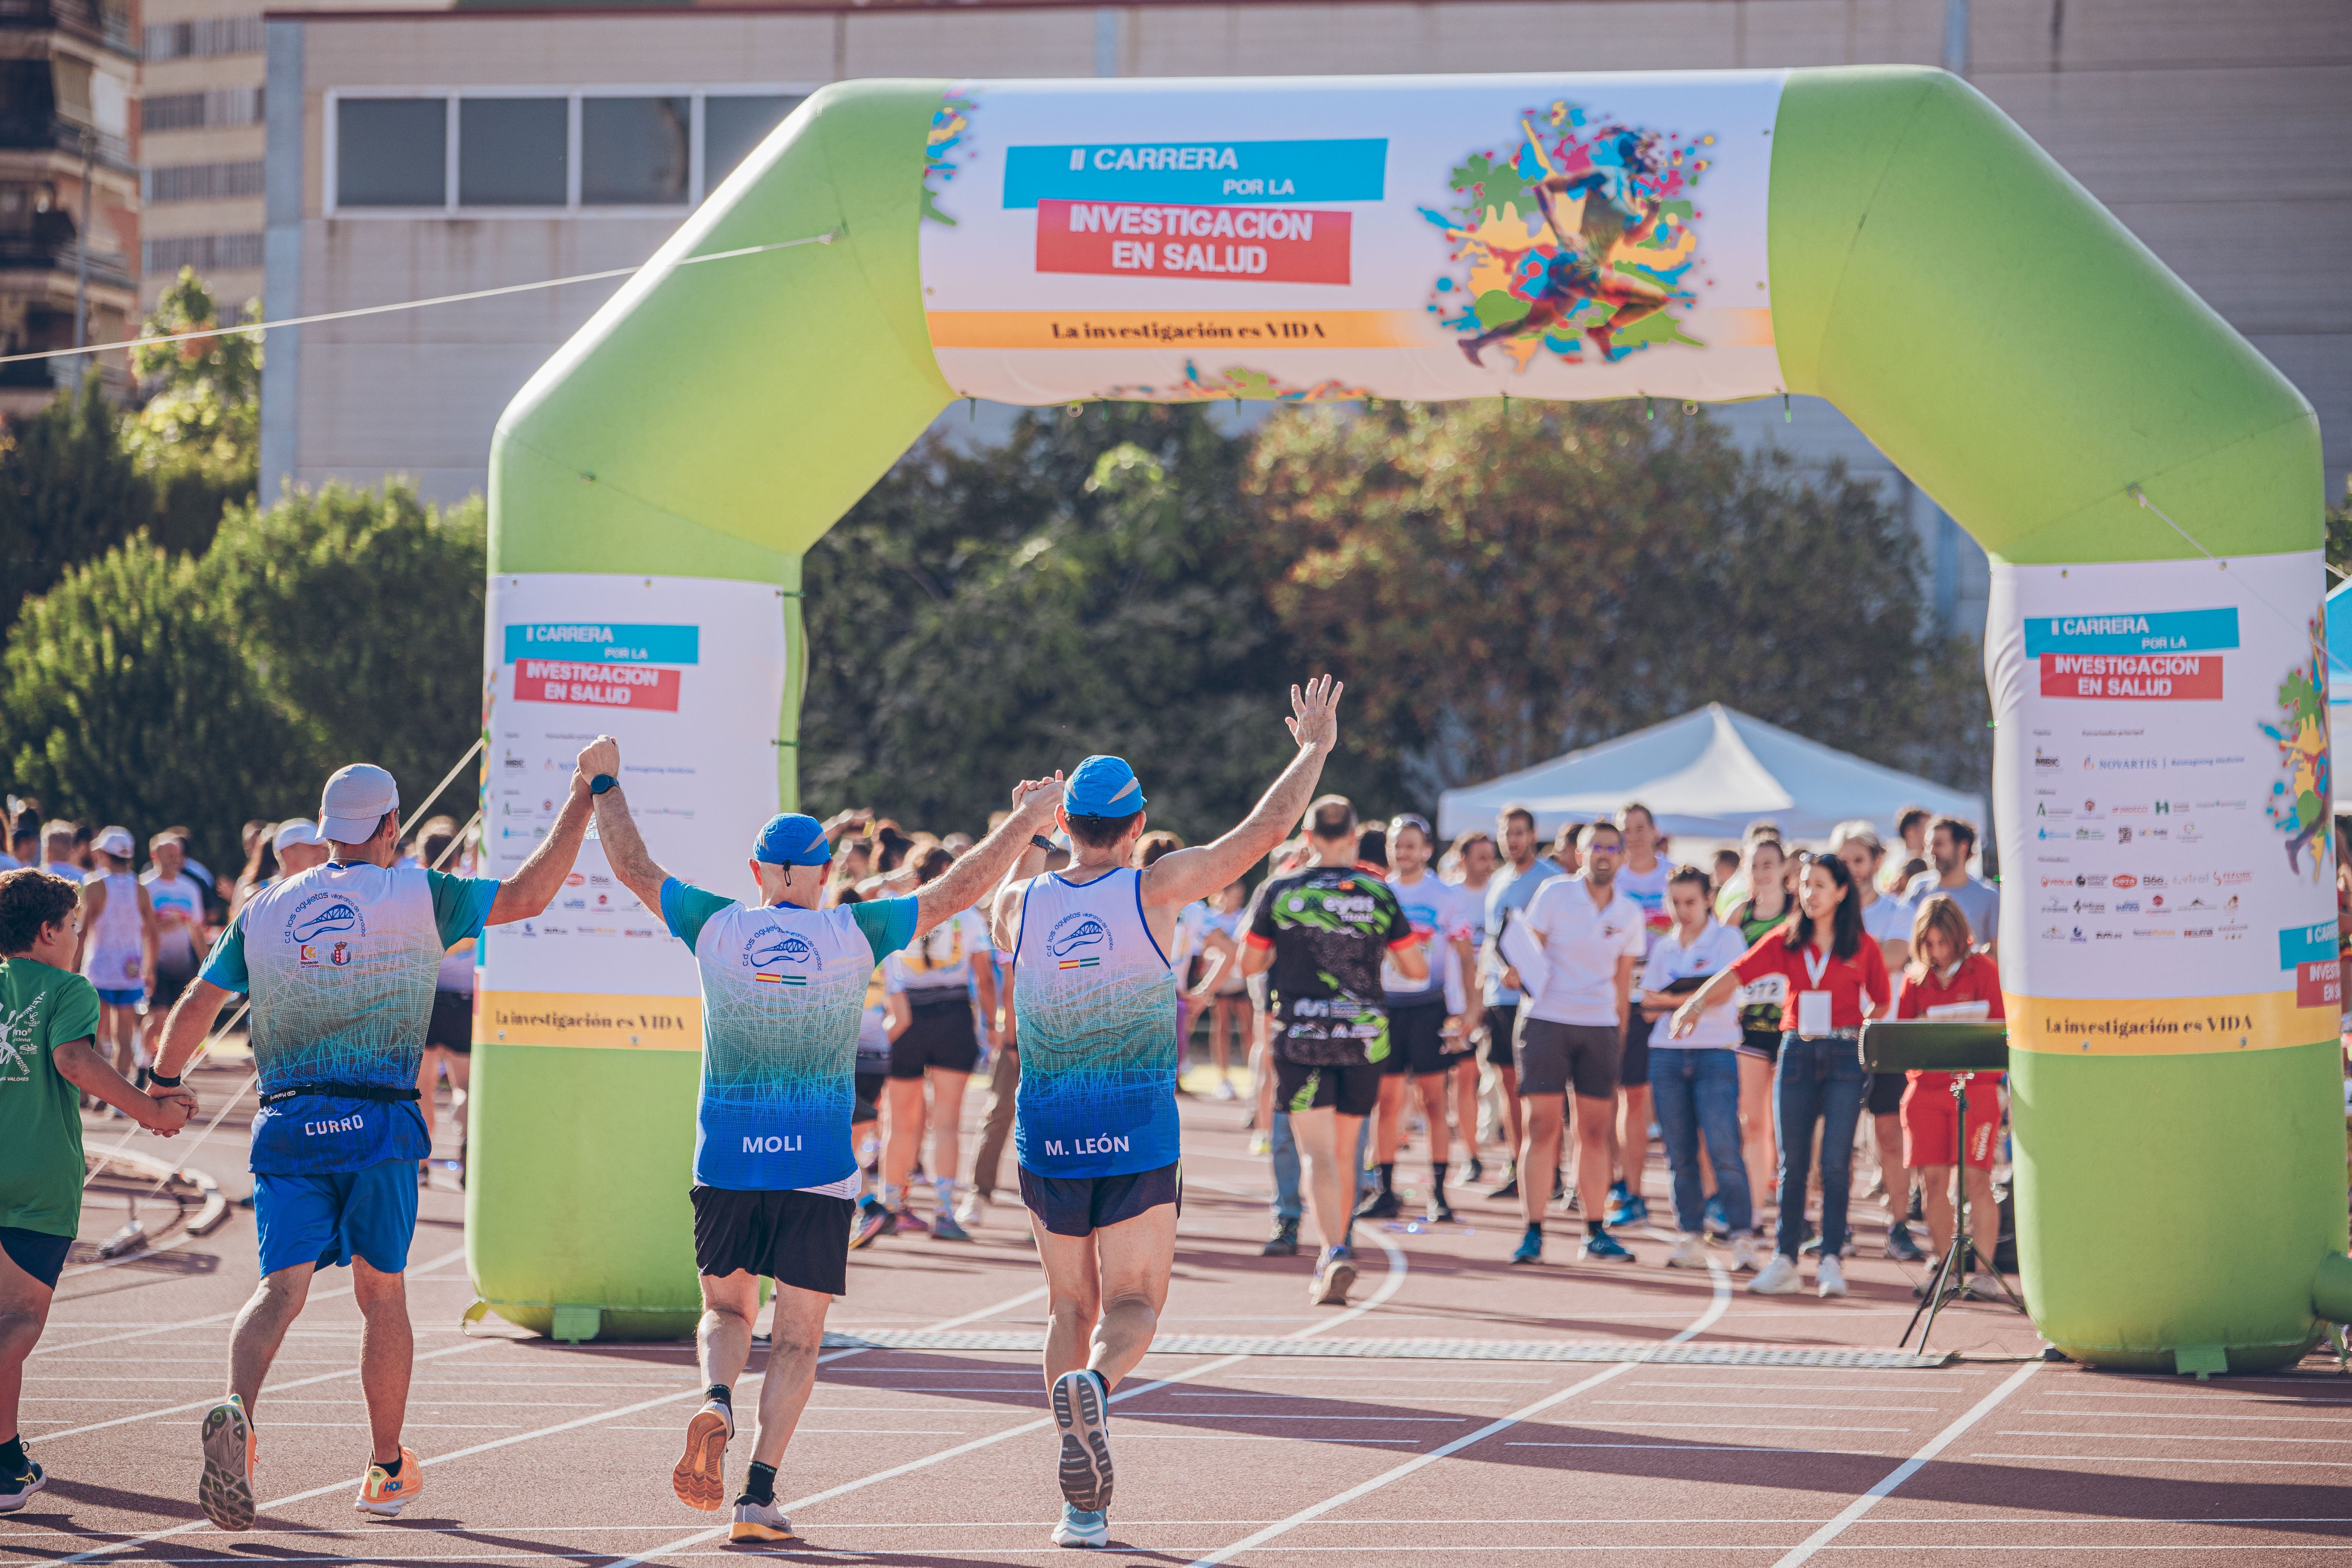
(1258, 330)
(570, 1018)
(2188, 1026)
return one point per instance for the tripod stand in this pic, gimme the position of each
(1954, 1267)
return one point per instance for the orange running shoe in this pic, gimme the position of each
(700, 1478)
(383, 1494)
(225, 1492)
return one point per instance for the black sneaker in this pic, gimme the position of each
(1508, 1190)
(1900, 1246)
(1284, 1242)
(1379, 1205)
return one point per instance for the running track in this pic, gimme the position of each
(540, 1453)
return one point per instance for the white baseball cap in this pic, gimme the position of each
(115, 841)
(355, 801)
(300, 830)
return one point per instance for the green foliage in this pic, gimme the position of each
(68, 492)
(148, 688)
(2339, 532)
(198, 436)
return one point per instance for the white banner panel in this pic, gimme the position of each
(1313, 239)
(2162, 787)
(688, 674)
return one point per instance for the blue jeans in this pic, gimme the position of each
(1286, 1166)
(1696, 1094)
(1816, 1079)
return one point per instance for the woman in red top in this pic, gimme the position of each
(1833, 970)
(1945, 979)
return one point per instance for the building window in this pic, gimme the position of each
(202, 181)
(204, 39)
(511, 151)
(635, 152)
(733, 125)
(391, 152)
(201, 111)
(205, 252)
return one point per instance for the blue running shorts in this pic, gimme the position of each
(331, 1218)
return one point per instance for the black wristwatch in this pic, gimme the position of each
(1042, 842)
(156, 1078)
(601, 783)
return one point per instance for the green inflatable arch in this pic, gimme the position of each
(1939, 278)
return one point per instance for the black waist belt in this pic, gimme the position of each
(375, 1091)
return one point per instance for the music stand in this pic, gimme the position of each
(1963, 1050)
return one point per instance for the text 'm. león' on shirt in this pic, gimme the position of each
(1330, 927)
(1095, 1005)
(783, 992)
(340, 961)
(1582, 944)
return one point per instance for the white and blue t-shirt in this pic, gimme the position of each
(1441, 917)
(340, 961)
(1508, 892)
(1096, 1003)
(783, 991)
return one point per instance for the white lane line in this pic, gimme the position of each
(413, 1270)
(1720, 1304)
(2214, 1396)
(549, 1431)
(2190, 1416)
(210, 1400)
(2173, 1437)
(1804, 1550)
(1389, 1288)
(2182, 1459)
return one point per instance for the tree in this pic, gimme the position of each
(1500, 584)
(1083, 587)
(360, 612)
(129, 698)
(68, 492)
(198, 435)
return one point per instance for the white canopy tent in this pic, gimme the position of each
(1707, 775)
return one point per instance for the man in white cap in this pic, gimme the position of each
(300, 845)
(340, 961)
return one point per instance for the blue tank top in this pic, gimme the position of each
(1096, 1003)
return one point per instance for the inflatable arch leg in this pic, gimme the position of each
(2180, 1176)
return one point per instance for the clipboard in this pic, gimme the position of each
(1522, 951)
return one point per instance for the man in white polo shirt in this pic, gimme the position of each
(1571, 1032)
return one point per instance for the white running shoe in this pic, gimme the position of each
(1690, 1251)
(1081, 1529)
(1982, 1286)
(1743, 1254)
(225, 1490)
(1829, 1275)
(1225, 1090)
(971, 1211)
(1778, 1277)
(759, 1521)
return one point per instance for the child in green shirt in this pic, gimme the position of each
(48, 1017)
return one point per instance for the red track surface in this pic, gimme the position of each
(542, 1453)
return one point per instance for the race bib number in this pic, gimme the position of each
(1814, 1013)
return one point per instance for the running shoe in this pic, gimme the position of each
(225, 1492)
(910, 1223)
(1225, 1090)
(1260, 1143)
(1777, 1278)
(385, 1494)
(1284, 1242)
(1717, 1221)
(16, 1490)
(1982, 1286)
(1690, 1251)
(1530, 1248)
(874, 1221)
(759, 1521)
(1471, 1172)
(1507, 1191)
(1829, 1276)
(1381, 1204)
(971, 1211)
(1900, 1246)
(1437, 1211)
(1621, 1204)
(1081, 1528)
(945, 1228)
(1082, 1413)
(1333, 1279)
(700, 1478)
(1604, 1248)
(1636, 1211)
(1743, 1254)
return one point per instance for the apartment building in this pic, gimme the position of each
(203, 139)
(68, 189)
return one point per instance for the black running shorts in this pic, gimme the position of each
(1081, 1206)
(1553, 1057)
(939, 1034)
(1350, 1090)
(1502, 1030)
(451, 1026)
(794, 1238)
(170, 982)
(1886, 1093)
(1633, 1061)
(1764, 1044)
(1417, 1038)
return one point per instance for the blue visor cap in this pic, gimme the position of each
(1103, 787)
(792, 838)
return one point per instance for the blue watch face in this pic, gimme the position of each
(600, 782)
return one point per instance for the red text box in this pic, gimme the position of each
(2319, 984)
(1157, 239)
(596, 685)
(2134, 677)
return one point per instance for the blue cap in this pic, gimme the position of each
(1103, 787)
(792, 838)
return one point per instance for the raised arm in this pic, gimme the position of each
(532, 888)
(624, 849)
(1189, 874)
(982, 866)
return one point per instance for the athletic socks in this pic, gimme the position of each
(892, 1197)
(720, 1392)
(759, 1486)
(391, 1468)
(1388, 1176)
(12, 1456)
(1594, 1227)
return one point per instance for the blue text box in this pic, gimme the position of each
(2158, 631)
(1198, 173)
(2306, 945)
(604, 642)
